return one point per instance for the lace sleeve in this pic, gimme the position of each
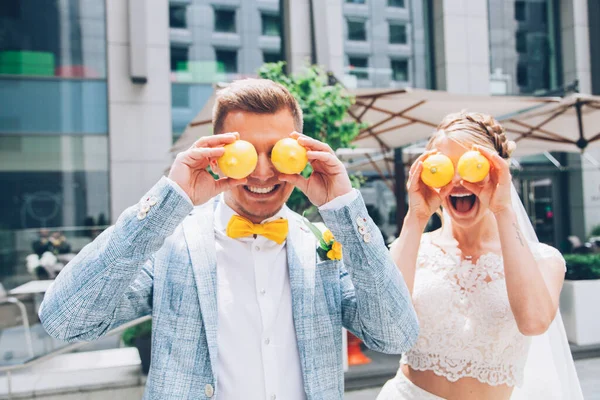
(542, 251)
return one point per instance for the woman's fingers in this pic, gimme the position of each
(445, 191)
(415, 177)
(421, 158)
(472, 187)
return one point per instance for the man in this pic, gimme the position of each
(240, 317)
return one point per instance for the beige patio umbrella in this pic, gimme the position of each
(395, 117)
(568, 124)
(399, 117)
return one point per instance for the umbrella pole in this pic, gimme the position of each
(400, 178)
(581, 142)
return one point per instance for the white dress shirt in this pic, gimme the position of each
(258, 352)
(257, 347)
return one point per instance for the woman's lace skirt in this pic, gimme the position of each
(400, 388)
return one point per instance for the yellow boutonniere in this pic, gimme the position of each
(328, 247)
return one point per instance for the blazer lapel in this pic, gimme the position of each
(301, 260)
(200, 238)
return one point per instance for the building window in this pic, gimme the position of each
(399, 70)
(272, 57)
(227, 61)
(271, 25)
(520, 11)
(61, 39)
(177, 16)
(398, 34)
(357, 30)
(356, 1)
(225, 21)
(522, 75)
(396, 3)
(359, 67)
(179, 58)
(521, 41)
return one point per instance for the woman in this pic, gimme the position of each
(482, 285)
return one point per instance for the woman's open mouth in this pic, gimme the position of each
(463, 202)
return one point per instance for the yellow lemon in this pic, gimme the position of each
(288, 156)
(239, 159)
(438, 171)
(473, 167)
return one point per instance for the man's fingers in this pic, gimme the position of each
(314, 145)
(216, 140)
(205, 153)
(297, 180)
(328, 159)
(224, 184)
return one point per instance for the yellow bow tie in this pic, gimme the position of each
(275, 230)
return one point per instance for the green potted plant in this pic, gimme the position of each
(579, 298)
(140, 336)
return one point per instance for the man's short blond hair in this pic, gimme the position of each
(258, 96)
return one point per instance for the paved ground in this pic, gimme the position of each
(588, 371)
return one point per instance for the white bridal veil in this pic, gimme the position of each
(550, 370)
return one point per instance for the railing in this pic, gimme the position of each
(9, 369)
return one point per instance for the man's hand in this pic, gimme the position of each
(329, 178)
(189, 169)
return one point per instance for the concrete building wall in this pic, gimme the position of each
(461, 46)
(575, 39)
(139, 113)
(576, 61)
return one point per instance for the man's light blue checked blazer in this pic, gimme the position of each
(165, 265)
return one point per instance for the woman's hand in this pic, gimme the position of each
(423, 200)
(494, 190)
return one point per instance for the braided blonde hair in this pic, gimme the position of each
(469, 128)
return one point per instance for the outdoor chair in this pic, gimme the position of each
(24, 320)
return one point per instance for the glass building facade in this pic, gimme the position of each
(53, 127)
(524, 46)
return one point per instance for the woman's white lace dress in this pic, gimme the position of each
(467, 328)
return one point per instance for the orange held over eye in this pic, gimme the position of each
(473, 167)
(239, 160)
(438, 171)
(289, 157)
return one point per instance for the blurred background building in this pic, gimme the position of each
(93, 93)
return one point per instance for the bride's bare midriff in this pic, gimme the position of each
(462, 389)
